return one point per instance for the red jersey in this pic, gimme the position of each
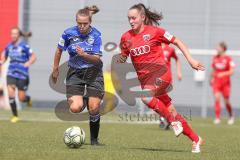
(169, 53)
(221, 64)
(145, 48)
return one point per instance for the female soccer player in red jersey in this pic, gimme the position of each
(143, 44)
(223, 68)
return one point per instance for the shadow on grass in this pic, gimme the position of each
(158, 149)
(138, 148)
(96, 146)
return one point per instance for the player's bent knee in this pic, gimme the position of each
(217, 96)
(172, 110)
(76, 107)
(21, 98)
(11, 93)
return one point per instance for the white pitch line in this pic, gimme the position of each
(204, 125)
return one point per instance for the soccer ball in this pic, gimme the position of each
(74, 137)
(163, 123)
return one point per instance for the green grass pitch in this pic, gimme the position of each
(35, 139)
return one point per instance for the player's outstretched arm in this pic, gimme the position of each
(56, 62)
(194, 63)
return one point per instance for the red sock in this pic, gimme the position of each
(159, 107)
(229, 109)
(217, 109)
(187, 130)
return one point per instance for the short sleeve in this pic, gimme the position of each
(124, 46)
(231, 63)
(164, 36)
(28, 50)
(63, 42)
(97, 46)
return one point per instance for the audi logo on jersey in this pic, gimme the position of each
(140, 50)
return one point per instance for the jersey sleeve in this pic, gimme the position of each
(124, 46)
(231, 64)
(164, 36)
(63, 42)
(97, 46)
(28, 50)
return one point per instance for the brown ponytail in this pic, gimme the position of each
(152, 18)
(88, 11)
(93, 9)
(223, 45)
(23, 34)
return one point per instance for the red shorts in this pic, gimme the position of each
(159, 84)
(224, 89)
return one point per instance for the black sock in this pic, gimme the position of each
(94, 126)
(13, 106)
(27, 98)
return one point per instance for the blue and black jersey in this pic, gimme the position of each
(90, 43)
(19, 54)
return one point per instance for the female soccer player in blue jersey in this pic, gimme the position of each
(84, 81)
(21, 58)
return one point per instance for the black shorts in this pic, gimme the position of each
(87, 82)
(21, 84)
